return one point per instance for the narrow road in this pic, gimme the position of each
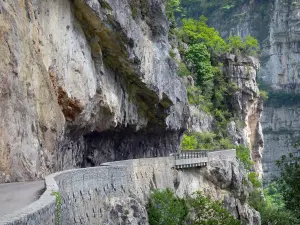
(15, 196)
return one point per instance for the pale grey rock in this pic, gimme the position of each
(281, 128)
(234, 133)
(199, 121)
(247, 105)
(125, 211)
(70, 68)
(281, 55)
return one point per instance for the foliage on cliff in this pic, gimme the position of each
(164, 208)
(290, 183)
(281, 202)
(213, 91)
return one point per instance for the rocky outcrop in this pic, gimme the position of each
(73, 69)
(247, 106)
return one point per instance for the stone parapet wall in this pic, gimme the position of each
(87, 195)
(228, 155)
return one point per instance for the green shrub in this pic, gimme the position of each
(236, 44)
(134, 13)
(205, 211)
(263, 95)
(225, 143)
(253, 178)
(164, 208)
(205, 141)
(272, 209)
(172, 54)
(196, 98)
(189, 142)
(251, 45)
(243, 154)
(183, 71)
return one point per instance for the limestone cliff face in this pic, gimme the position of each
(281, 132)
(71, 70)
(246, 105)
(276, 25)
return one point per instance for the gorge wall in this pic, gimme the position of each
(276, 25)
(74, 69)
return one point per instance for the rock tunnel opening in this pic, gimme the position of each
(110, 146)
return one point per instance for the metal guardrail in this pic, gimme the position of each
(200, 158)
(190, 158)
(190, 154)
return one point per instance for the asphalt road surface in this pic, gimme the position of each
(15, 196)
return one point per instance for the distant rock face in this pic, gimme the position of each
(281, 132)
(72, 68)
(281, 57)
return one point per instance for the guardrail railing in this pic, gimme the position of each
(190, 158)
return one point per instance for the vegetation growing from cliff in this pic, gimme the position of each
(197, 31)
(213, 91)
(204, 141)
(269, 202)
(243, 154)
(165, 208)
(279, 202)
(290, 182)
(282, 98)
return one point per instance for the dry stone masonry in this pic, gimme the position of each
(118, 191)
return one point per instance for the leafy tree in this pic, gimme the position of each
(189, 142)
(290, 181)
(236, 44)
(197, 31)
(171, 7)
(205, 211)
(164, 208)
(251, 45)
(253, 177)
(198, 58)
(271, 206)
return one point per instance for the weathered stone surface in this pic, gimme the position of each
(125, 211)
(247, 105)
(69, 68)
(118, 191)
(200, 121)
(281, 132)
